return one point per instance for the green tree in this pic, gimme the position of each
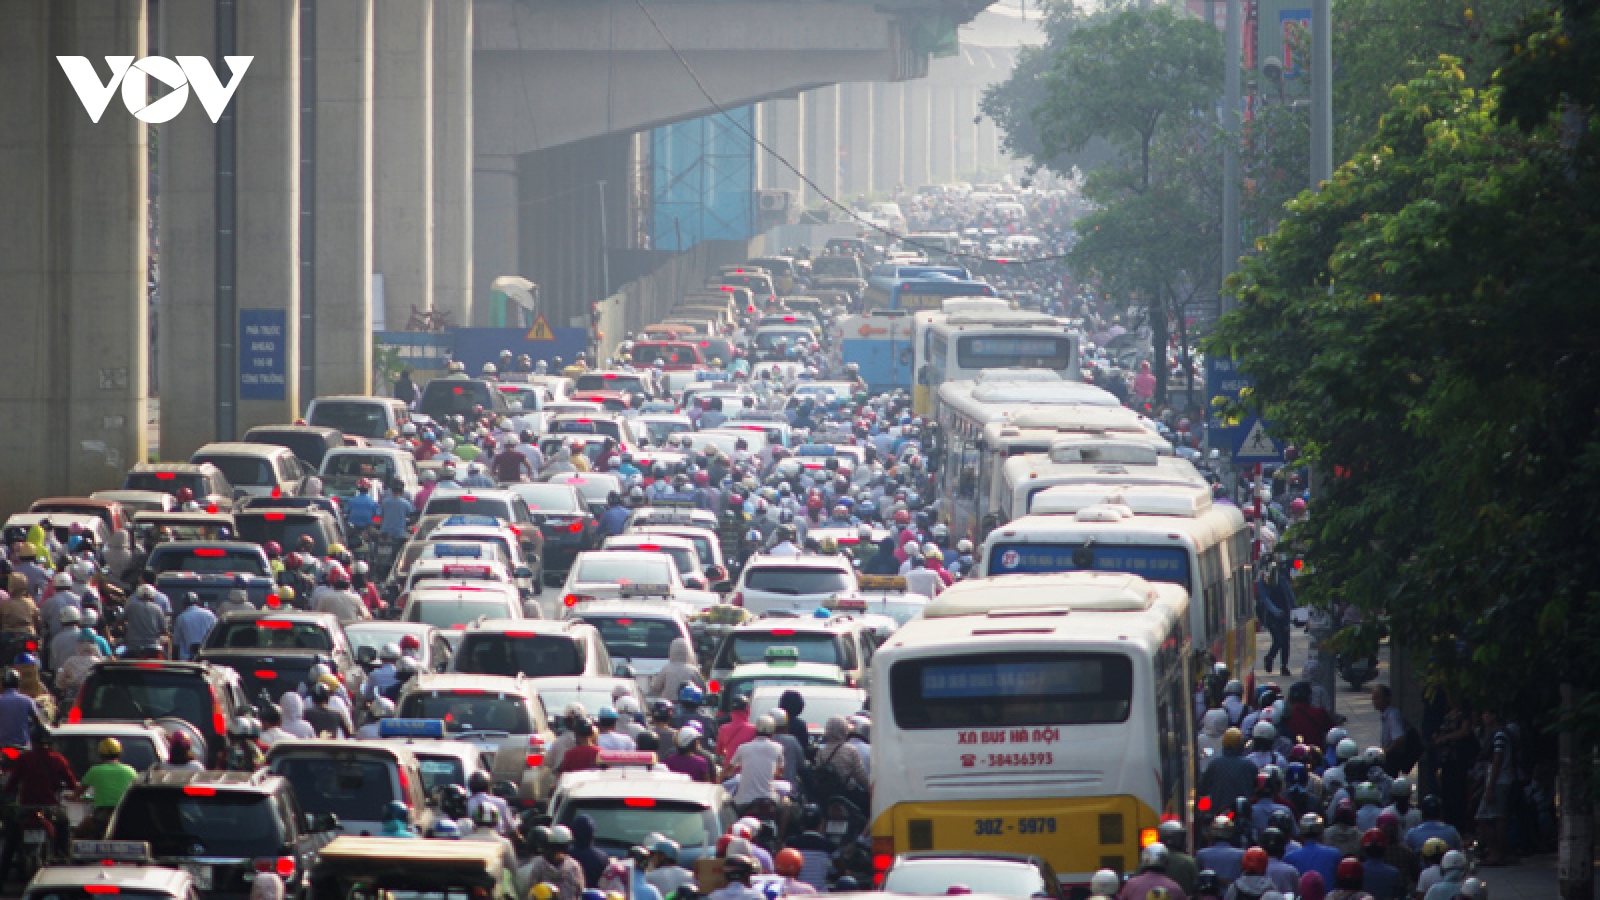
(1424, 331)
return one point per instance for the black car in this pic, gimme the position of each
(443, 397)
(205, 696)
(224, 828)
(567, 523)
(274, 652)
(286, 524)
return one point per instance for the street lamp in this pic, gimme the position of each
(1272, 67)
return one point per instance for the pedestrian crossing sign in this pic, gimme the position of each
(540, 331)
(1257, 446)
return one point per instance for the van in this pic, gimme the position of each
(373, 418)
(460, 397)
(259, 470)
(353, 780)
(309, 442)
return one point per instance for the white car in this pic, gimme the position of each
(685, 556)
(636, 635)
(627, 575)
(797, 584)
(657, 426)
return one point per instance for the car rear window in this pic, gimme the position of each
(223, 823)
(629, 637)
(453, 504)
(241, 470)
(359, 465)
(609, 382)
(598, 569)
(455, 613)
(83, 751)
(368, 420)
(269, 634)
(628, 822)
(354, 788)
(669, 354)
(549, 499)
(796, 580)
(137, 694)
(519, 653)
(450, 397)
(208, 560)
(166, 483)
(927, 877)
(283, 527)
(469, 711)
(813, 646)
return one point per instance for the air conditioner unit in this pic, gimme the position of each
(772, 201)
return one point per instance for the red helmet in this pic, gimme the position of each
(1344, 813)
(292, 561)
(363, 485)
(274, 550)
(1255, 861)
(410, 642)
(1349, 875)
(1300, 753)
(814, 502)
(702, 478)
(185, 495)
(1374, 838)
(788, 862)
(902, 517)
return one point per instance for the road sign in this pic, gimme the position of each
(541, 330)
(1255, 445)
(263, 354)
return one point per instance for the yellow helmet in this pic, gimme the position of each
(110, 747)
(336, 549)
(829, 545)
(542, 891)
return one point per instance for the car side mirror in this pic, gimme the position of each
(325, 822)
(524, 572)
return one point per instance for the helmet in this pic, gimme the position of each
(766, 725)
(1154, 857)
(560, 836)
(1311, 825)
(1171, 832)
(1221, 829)
(1350, 873)
(1264, 732)
(383, 708)
(110, 747)
(788, 862)
(1372, 756)
(1274, 841)
(396, 811)
(1234, 688)
(1207, 883)
(1344, 812)
(1345, 749)
(544, 890)
(453, 801)
(606, 714)
(244, 727)
(1300, 753)
(737, 865)
(1105, 883)
(1474, 889)
(1255, 861)
(685, 737)
(1366, 794)
(1433, 848)
(410, 642)
(446, 830)
(70, 614)
(1454, 861)
(274, 549)
(478, 782)
(667, 847)
(63, 580)
(1281, 819)
(1400, 789)
(27, 659)
(1372, 838)
(1233, 739)
(389, 652)
(490, 369)
(1431, 806)
(10, 679)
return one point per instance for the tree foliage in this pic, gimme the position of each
(1423, 330)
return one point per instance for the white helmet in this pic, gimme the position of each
(512, 440)
(1347, 749)
(70, 615)
(1105, 883)
(1264, 732)
(382, 708)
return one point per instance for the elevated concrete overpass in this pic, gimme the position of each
(412, 140)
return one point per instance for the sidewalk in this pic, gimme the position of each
(1534, 879)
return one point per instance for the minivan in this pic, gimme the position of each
(260, 470)
(309, 442)
(460, 397)
(373, 418)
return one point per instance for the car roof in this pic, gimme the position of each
(793, 670)
(634, 537)
(624, 608)
(627, 555)
(461, 593)
(804, 560)
(448, 682)
(181, 468)
(329, 620)
(441, 563)
(708, 795)
(109, 729)
(244, 448)
(536, 626)
(340, 745)
(390, 626)
(974, 855)
(797, 623)
(148, 878)
(261, 781)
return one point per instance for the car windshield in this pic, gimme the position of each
(355, 788)
(120, 694)
(603, 569)
(83, 751)
(208, 559)
(222, 823)
(269, 634)
(796, 580)
(766, 340)
(455, 613)
(551, 499)
(358, 465)
(608, 381)
(438, 771)
(469, 711)
(671, 355)
(241, 470)
(628, 637)
(516, 653)
(368, 420)
(628, 822)
(813, 646)
(929, 877)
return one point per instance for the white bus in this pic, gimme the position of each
(963, 345)
(1021, 478)
(1041, 714)
(1033, 432)
(1165, 533)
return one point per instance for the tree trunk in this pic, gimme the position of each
(1575, 863)
(1159, 336)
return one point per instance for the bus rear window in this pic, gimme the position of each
(1014, 352)
(998, 690)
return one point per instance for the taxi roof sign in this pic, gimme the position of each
(467, 519)
(782, 655)
(644, 758)
(412, 728)
(473, 551)
(115, 851)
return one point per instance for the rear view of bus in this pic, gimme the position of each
(1043, 715)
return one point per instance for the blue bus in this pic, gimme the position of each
(883, 278)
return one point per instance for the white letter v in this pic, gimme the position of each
(91, 92)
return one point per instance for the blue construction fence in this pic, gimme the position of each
(428, 352)
(702, 180)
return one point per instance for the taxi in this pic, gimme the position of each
(781, 668)
(833, 640)
(627, 575)
(627, 809)
(684, 554)
(503, 717)
(351, 867)
(122, 867)
(439, 761)
(706, 544)
(637, 636)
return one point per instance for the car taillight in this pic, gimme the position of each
(195, 790)
(219, 718)
(714, 686)
(405, 786)
(282, 866)
(266, 675)
(1147, 836)
(101, 889)
(639, 802)
(882, 857)
(575, 527)
(535, 751)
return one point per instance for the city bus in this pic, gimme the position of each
(930, 292)
(1170, 533)
(1037, 714)
(884, 276)
(961, 346)
(1021, 478)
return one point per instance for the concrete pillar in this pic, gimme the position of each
(188, 338)
(888, 103)
(267, 107)
(452, 160)
(496, 223)
(918, 135)
(859, 164)
(988, 145)
(966, 131)
(402, 157)
(789, 127)
(941, 133)
(822, 140)
(343, 207)
(72, 256)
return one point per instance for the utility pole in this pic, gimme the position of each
(1231, 35)
(1321, 93)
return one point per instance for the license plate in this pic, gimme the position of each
(33, 836)
(201, 876)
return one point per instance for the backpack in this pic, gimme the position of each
(823, 783)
